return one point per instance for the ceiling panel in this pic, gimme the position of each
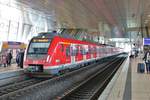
(122, 14)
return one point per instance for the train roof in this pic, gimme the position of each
(51, 35)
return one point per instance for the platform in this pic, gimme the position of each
(13, 67)
(127, 84)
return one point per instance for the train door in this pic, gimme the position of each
(77, 56)
(80, 53)
(97, 51)
(94, 51)
(91, 52)
(73, 53)
(84, 53)
(62, 53)
(59, 54)
(68, 53)
(88, 56)
(102, 51)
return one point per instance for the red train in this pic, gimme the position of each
(51, 54)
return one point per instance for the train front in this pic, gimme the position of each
(36, 56)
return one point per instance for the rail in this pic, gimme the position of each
(55, 87)
(93, 86)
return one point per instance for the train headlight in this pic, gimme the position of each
(57, 60)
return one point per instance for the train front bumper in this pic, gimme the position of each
(35, 70)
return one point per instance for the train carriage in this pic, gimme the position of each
(51, 54)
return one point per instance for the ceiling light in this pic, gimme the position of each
(145, 22)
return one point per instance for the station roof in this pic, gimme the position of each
(123, 16)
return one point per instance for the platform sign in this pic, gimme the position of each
(146, 41)
(14, 43)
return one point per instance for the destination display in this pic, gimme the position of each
(40, 40)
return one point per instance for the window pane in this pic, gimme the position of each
(4, 24)
(13, 31)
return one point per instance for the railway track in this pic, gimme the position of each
(13, 80)
(5, 90)
(91, 88)
(55, 87)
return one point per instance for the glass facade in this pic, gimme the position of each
(20, 23)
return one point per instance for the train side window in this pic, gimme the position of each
(82, 50)
(68, 51)
(97, 49)
(94, 49)
(101, 50)
(89, 51)
(74, 50)
(77, 50)
(86, 49)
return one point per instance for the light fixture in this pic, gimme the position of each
(146, 21)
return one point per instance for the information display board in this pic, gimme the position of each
(146, 41)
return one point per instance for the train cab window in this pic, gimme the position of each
(38, 47)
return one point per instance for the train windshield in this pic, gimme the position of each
(39, 46)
